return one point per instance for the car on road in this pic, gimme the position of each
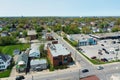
(100, 68)
(20, 77)
(102, 44)
(85, 70)
(104, 60)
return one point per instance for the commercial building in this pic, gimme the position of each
(82, 39)
(58, 54)
(101, 36)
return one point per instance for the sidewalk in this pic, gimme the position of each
(44, 72)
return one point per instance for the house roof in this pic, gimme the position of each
(58, 49)
(31, 32)
(4, 34)
(34, 50)
(93, 77)
(38, 61)
(5, 57)
(23, 57)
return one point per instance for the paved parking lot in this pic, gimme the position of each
(108, 45)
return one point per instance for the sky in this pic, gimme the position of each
(59, 8)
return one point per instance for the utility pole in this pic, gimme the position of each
(79, 74)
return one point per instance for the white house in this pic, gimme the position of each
(5, 61)
(38, 64)
(34, 52)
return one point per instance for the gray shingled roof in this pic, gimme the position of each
(23, 57)
(5, 57)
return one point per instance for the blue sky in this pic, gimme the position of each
(59, 7)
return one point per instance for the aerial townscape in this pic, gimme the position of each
(65, 48)
(60, 40)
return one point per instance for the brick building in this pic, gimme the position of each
(58, 54)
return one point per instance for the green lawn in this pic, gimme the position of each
(7, 72)
(9, 49)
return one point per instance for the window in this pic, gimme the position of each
(55, 58)
(65, 58)
(1, 63)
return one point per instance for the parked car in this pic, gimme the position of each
(100, 53)
(105, 50)
(104, 60)
(94, 57)
(20, 77)
(102, 44)
(100, 68)
(85, 70)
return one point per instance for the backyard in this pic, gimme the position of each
(9, 49)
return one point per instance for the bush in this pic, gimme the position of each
(73, 43)
(8, 40)
(50, 66)
(61, 67)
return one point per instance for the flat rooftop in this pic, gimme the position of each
(103, 35)
(58, 49)
(79, 36)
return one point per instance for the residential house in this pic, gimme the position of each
(32, 34)
(5, 61)
(38, 64)
(22, 62)
(34, 53)
(4, 34)
(12, 28)
(58, 54)
(49, 36)
(95, 29)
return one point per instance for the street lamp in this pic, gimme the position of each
(99, 53)
(117, 49)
